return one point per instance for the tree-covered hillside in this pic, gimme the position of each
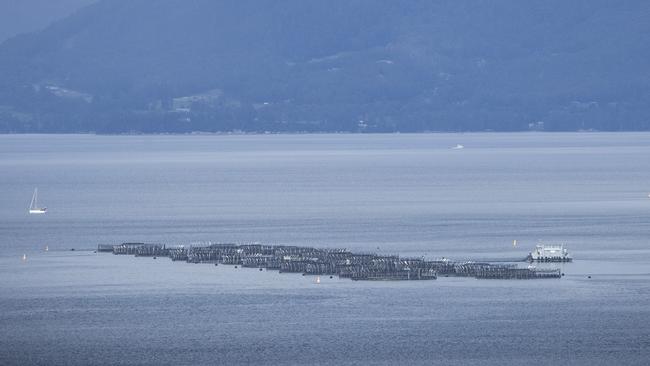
(355, 65)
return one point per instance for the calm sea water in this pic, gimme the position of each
(406, 194)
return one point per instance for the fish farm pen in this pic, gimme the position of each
(331, 262)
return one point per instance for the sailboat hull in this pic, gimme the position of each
(37, 211)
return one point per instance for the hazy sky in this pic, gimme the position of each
(20, 16)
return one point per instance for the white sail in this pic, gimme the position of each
(33, 206)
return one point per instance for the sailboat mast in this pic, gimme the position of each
(32, 205)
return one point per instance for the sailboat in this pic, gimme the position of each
(33, 206)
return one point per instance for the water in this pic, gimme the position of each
(406, 194)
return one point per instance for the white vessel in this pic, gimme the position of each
(458, 147)
(549, 253)
(33, 206)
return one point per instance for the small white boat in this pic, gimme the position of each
(33, 206)
(458, 147)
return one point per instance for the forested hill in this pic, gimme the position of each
(356, 65)
(20, 16)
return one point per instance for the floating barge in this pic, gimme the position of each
(329, 261)
(549, 253)
(504, 272)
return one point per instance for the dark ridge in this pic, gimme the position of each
(145, 66)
